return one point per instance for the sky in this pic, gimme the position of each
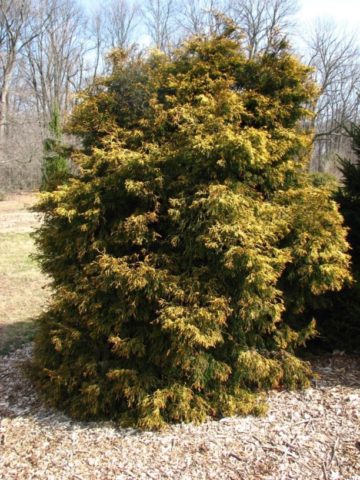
(345, 13)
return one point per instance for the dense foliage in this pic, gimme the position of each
(55, 168)
(339, 319)
(190, 244)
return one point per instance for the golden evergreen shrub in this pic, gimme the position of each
(185, 251)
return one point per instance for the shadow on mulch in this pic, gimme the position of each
(337, 370)
(15, 335)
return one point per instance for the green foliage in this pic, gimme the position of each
(55, 170)
(325, 180)
(189, 246)
(339, 319)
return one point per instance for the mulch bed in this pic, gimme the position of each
(312, 434)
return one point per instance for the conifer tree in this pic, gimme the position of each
(339, 319)
(55, 168)
(185, 251)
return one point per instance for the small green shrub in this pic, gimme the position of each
(55, 168)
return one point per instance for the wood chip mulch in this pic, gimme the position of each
(313, 434)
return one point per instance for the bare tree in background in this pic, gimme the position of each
(49, 51)
(120, 20)
(159, 21)
(96, 35)
(16, 32)
(261, 21)
(197, 16)
(56, 59)
(113, 25)
(45, 59)
(335, 55)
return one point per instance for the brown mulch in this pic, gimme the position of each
(313, 434)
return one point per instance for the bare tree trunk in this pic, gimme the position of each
(4, 97)
(15, 34)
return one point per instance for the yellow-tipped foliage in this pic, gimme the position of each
(188, 249)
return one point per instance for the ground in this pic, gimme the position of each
(312, 434)
(22, 291)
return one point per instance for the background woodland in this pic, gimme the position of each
(50, 50)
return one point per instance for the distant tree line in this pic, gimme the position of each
(52, 49)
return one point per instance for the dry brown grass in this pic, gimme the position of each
(21, 282)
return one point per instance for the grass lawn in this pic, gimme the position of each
(22, 292)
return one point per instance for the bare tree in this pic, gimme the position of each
(159, 21)
(261, 21)
(16, 32)
(113, 25)
(120, 18)
(335, 55)
(198, 16)
(96, 36)
(56, 58)
(44, 59)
